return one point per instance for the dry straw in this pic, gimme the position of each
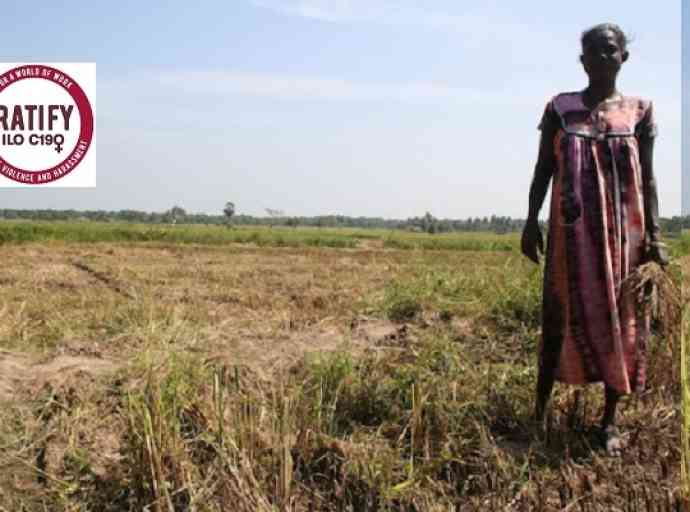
(657, 295)
(658, 290)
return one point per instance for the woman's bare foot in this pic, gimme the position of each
(612, 440)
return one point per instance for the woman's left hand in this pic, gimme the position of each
(658, 253)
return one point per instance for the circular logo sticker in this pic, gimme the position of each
(46, 124)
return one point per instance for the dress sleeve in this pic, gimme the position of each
(647, 127)
(550, 120)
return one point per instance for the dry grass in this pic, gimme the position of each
(250, 379)
(685, 389)
(685, 385)
(661, 290)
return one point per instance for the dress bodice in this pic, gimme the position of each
(623, 116)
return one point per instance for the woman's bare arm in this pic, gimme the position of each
(532, 240)
(656, 250)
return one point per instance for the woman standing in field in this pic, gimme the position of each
(597, 146)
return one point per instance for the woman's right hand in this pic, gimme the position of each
(532, 240)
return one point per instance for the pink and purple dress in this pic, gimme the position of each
(590, 331)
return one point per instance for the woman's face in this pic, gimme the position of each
(602, 56)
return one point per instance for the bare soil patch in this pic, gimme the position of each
(266, 357)
(20, 372)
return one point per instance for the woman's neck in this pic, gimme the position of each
(600, 90)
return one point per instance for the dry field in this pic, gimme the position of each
(152, 376)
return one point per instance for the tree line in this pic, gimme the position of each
(425, 223)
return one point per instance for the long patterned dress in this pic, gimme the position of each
(590, 331)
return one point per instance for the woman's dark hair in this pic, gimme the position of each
(621, 38)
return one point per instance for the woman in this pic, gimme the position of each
(597, 144)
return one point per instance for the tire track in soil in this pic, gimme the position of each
(104, 278)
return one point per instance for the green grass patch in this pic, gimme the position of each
(89, 232)
(453, 242)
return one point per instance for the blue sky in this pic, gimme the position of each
(685, 158)
(354, 107)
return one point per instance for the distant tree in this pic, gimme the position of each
(229, 211)
(672, 226)
(429, 223)
(173, 215)
(274, 214)
(445, 226)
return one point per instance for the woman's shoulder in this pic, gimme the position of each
(637, 102)
(635, 98)
(568, 95)
(565, 101)
(551, 120)
(556, 107)
(573, 100)
(641, 112)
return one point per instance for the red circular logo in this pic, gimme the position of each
(83, 141)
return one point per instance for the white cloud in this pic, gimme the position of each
(335, 10)
(300, 87)
(307, 87)
(390, 13)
